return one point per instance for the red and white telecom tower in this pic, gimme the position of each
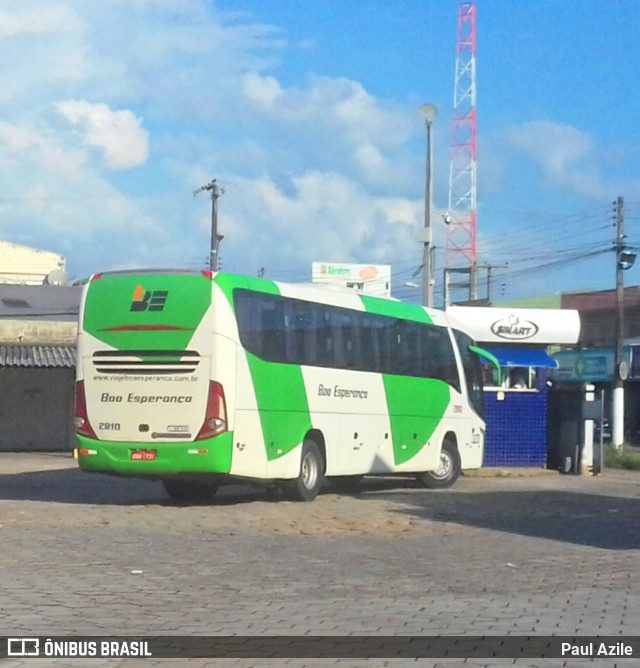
(460, 255)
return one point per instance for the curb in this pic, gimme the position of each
(499, 472)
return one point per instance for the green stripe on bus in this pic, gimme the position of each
(280, 392)
(229, 282)
(395, 309)
(172, 458)
(282, 404)
(416, 407)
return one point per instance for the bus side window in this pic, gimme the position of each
(305, 334)
(356, 348)
(272, 322)
(345, 335)
(260, 324)
(370, 342)
(414, 348)
(403, 362)
(325, 338)
(384, 333)
(246, 318)
(298, 318)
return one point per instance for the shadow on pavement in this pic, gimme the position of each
(596, 520)
(70, 485)
(581, 517)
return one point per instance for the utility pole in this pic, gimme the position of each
(620, 370)
(216, 238)
(490, 268)
(447, 283)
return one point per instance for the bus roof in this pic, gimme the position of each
(150, 272)
(316, 292)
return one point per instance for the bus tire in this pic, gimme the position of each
(309, 481)
(448, 470)
(185, 489)
(346, 483)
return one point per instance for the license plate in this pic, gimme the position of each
(143, 455)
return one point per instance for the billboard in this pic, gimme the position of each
(369, 279)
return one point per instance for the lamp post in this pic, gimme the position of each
(428, 112)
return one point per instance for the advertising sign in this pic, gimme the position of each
(369, 279)
(584, 366)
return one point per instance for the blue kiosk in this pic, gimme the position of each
(516, 408)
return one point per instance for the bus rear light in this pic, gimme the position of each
(207, 274)
(83, 426)
(86, 452)
(215, 420)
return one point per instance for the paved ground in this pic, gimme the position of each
(82, 554)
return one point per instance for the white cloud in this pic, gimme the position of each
(118, 133)
(324, 216)
(370, 159)
(567, 157)
(55, 18)
(28, 144)
(334, 125)
(402, 211)
(261, 92)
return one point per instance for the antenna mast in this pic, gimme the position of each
(461, 231)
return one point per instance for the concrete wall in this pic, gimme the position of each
(37, 409)
(38, 332)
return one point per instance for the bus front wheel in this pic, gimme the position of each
(309, 481)
(185, 489)
(448, 470)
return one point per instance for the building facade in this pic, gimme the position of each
(38, 331)
(22, 265)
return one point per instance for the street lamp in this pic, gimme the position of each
(216, 238)
(429, 112)
(626, 260)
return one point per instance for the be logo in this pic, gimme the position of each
(148, 300)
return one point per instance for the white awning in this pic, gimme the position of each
(526, 326)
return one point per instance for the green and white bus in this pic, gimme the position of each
(197, 379)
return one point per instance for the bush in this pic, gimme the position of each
(622, 458)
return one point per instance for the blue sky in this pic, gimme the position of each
(112, 113)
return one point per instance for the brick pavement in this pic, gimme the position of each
(91, 555)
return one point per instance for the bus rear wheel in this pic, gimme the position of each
(309, 481)
(448, 470)
(187, 489)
